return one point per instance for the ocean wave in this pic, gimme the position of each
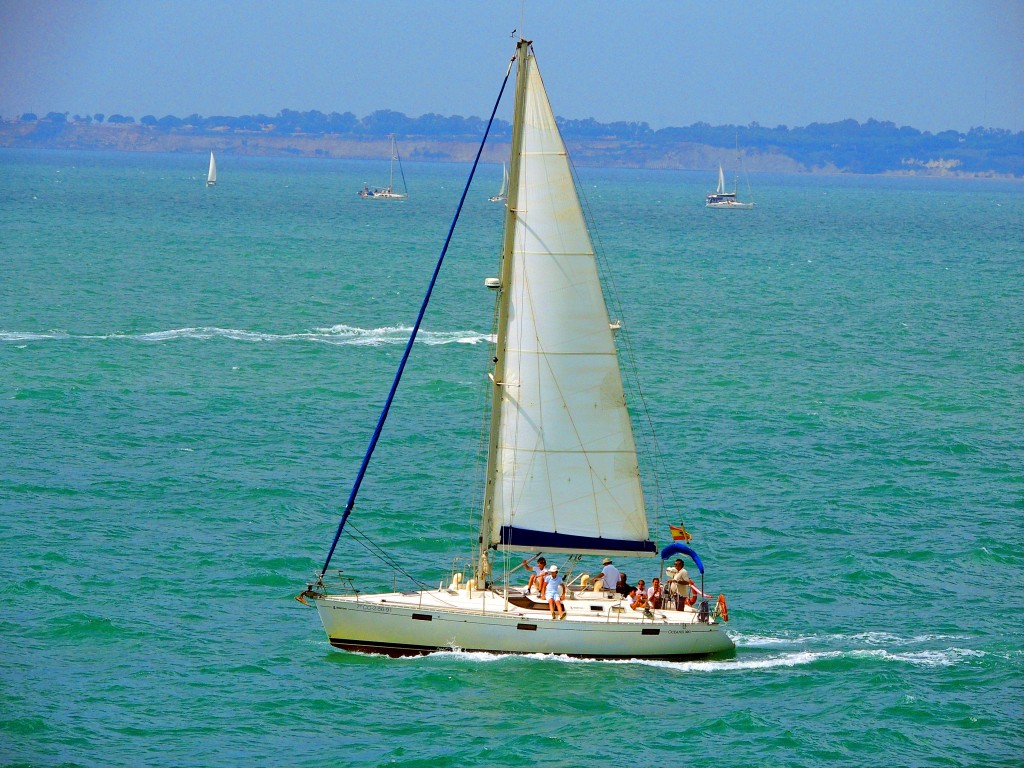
(926, 658)
(336, 334)
(710, 665)
(934, 658)
(867, 638)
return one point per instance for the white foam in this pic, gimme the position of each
(337, 334)
(927, 658)
(867, 638)
(395, 335)
(932, 658)
(19, 336)
(726, 665)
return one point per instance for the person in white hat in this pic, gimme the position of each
(553, 588)
(611, 575)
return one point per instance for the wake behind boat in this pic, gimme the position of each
(388, 192)
(562, 473)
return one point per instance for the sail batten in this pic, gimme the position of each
(565, 472)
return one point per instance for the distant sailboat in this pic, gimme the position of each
(388, 192)
(504, 186)
(211, 175)
(720, 198)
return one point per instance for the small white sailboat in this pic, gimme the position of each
(500, 197)
(211, 174)
(721, 198)
(562, 473)
(388, 192)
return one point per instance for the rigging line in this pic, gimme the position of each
(648, 436)
(412, 336)
(364, 542)
(480, 466)
(375, 549)
(401, 170)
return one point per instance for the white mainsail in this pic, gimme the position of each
(721, 180)
(211, 175)
(565, 465)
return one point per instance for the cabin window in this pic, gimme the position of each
(422, 617)
(530, 627)
(650, 632)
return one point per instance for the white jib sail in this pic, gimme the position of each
(566, 458)
(211, 175)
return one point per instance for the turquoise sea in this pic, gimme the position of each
(189, 377)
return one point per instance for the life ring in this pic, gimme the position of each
(721, 609)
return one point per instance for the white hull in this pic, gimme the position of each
(596, 626)
(731, 204)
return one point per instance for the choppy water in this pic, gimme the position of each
(189, 376)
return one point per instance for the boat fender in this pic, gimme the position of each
(722, 609)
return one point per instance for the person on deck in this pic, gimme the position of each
(537, 577)
(654, 593)
(610, 574)
(553, 588)
(638, 596)
(681, 583)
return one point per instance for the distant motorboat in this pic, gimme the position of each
(211, 175)
(500, 197)
(388, 192)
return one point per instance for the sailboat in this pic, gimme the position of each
(720, 198)
(211, 175)
(388, 192)
(562, 473)
(503, 193)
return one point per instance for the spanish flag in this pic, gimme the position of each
(679, 533)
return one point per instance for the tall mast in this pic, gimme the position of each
(391, 178)
(511, 206)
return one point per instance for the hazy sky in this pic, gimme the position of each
(934, 64)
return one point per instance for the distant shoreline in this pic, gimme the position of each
(597, 152)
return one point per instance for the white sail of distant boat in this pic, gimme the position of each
(721, 197)
(388, 192)
(211, 174)
(562, 474)
(504, 186)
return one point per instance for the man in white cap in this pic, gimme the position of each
(553, 586)
(610, 574)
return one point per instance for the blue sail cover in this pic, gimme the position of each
(523, 538)
(682, 549)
